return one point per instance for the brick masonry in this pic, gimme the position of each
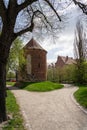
(36, 62)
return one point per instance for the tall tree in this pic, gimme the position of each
(9, 12)
(16, 57)
(80, 51)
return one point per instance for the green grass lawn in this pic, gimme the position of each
(16, 123)
(41, 86)
(10, 83)
(81, 96)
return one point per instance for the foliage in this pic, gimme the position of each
(81, 74)
(52, 75)
(16, 58)
(10, 75)
(81, 96)
(69, 71)
(41, 86)
(13, 109)
(64, 74)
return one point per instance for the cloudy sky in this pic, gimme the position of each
(64, 44)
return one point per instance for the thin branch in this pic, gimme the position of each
(64, 8)
(30, 28)
(81, 5)
(53, 9)
(44, 16)
(25, 4)
(32, 24)
(38, 11)
(25, 30)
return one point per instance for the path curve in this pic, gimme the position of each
(53, 110)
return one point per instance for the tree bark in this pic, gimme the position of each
(4, 53)
(3, 116)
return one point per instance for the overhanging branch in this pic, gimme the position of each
(53, 9)
(28, 29)
(25, 4)
(37, 12)
(81, 5)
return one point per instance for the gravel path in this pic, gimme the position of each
(53, 110)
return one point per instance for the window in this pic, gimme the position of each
(29, 64)
(39, 65)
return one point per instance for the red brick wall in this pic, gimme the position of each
(38, 62)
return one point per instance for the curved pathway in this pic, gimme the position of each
(53, 110)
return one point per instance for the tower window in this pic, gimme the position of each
(38, 65)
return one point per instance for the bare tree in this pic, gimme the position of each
(10, 13)
(80, 51)
(79, 42)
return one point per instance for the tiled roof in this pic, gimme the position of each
(70, 61)
(63, 58)
(32, 44)
(67, 60)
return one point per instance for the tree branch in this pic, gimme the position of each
(40, 12)
(2, 10)
(26, 29)
(12, 4)
(81, 5)
(25, 4)
(47, 1)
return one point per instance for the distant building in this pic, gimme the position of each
(36, 66)
(62, 61)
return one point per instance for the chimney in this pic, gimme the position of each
(66, 58)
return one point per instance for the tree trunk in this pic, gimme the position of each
(3, 116)
(5, 42)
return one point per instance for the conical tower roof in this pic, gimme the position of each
(32, 44)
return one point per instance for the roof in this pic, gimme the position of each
(63, 58)
(32, 44)
(67, 60)
(70, 61)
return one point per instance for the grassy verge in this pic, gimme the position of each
(41, 86)
(16, 123)
(81, 96)
(10, 83)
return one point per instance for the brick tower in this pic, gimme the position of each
(36, 67)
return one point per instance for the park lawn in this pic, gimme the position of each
(81, 96)
(41, 86)
(16, 123)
